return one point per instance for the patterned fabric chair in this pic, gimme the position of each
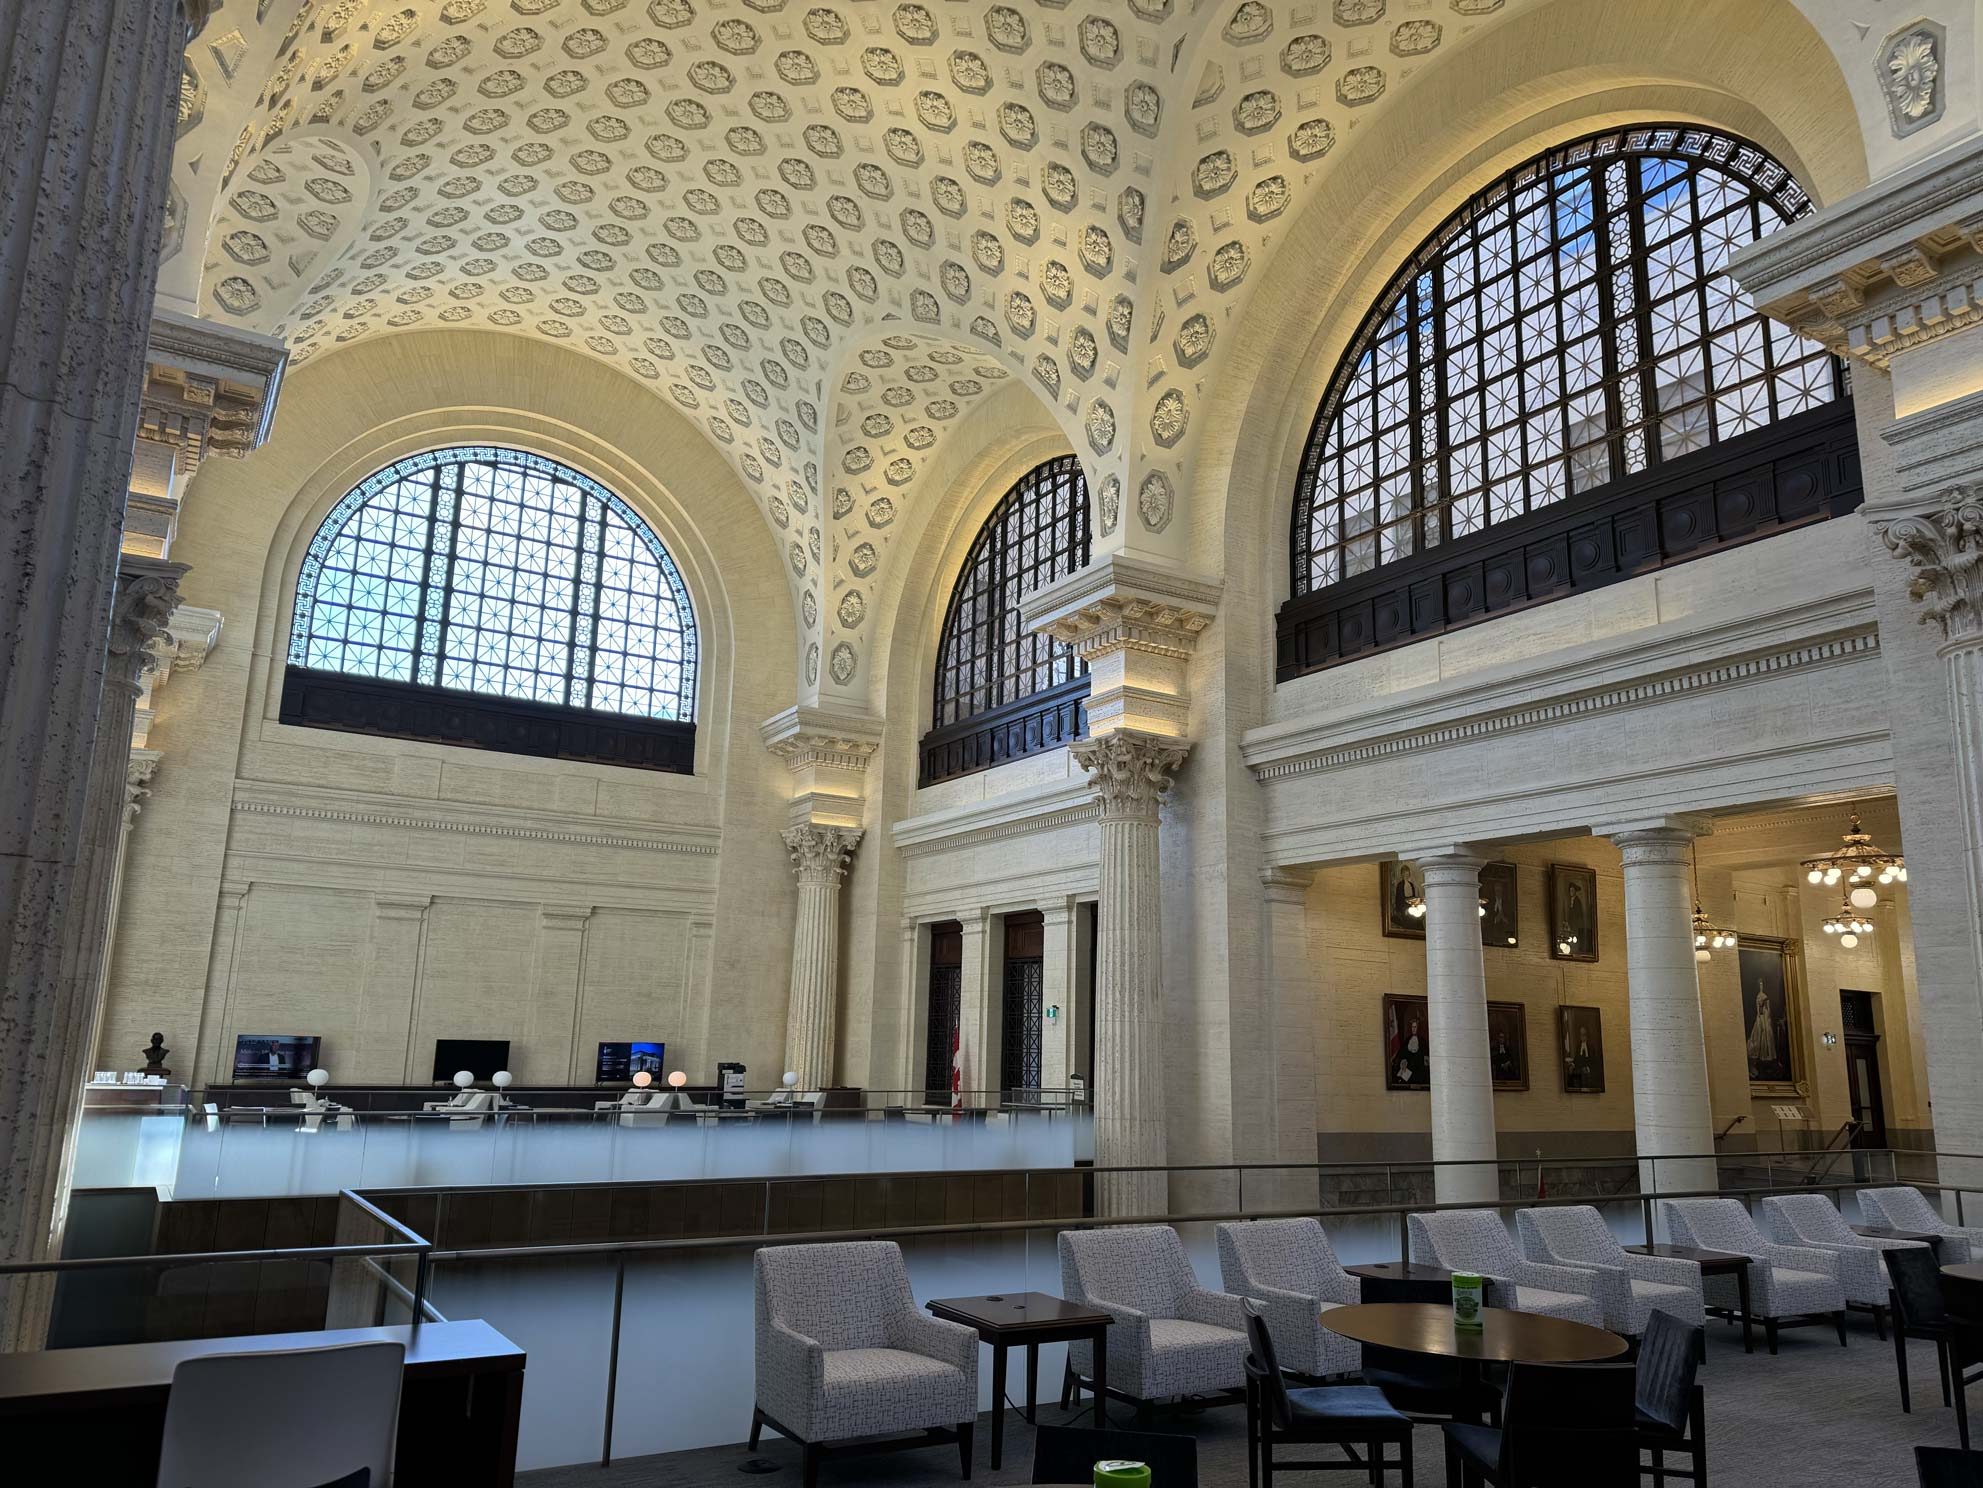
(1171, 1336)
(1290, 1269)
(1630, 1288)
(843, 1351)
(1787, 1283)
(1813, 1220)
(1476, 1240)
(1910, 1209)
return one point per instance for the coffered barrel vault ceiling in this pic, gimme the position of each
(823, 232)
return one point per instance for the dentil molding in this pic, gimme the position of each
(1118, 603)
(803, 737)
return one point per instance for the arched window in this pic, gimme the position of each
(1002, 691)
(498, 599)
(1566, 335)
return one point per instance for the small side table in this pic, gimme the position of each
(1713, 1263)
(1928, 1238)
(1031, 1318)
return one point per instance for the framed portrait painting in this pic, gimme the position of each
(1772, 1014)
(1508, 1045)
(1580, 1030)
(1399, 886)
(1572, 913)
(1501, 914)
(1407, 1044)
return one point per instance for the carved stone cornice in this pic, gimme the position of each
(147, 594)
(803, 737)
(1122, 604)
(1131, 771)
(820, 854)
(1887, 270)
(209, 388)
(1944, 547)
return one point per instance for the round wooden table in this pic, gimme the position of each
(1965, 1271)
(1505, 1337)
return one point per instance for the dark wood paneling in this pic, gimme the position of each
(1032, 725)
(1803, 470)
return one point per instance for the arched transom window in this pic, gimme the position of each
(1002, 691)
(498, 573)
(1569, 328)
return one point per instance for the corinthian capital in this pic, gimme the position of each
(819, 854)
(1944, 547)
(147, 594)
(1131, 770)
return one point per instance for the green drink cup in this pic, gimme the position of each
(1469, 1295)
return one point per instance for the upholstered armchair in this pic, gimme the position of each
(1910, 1209)
(466, 1111)
(1171, 1336)
(1785, 1281)
(1289, 1268)
(1813, 1220)
(1630, 1288)
(1476, 1240)
(843, 1351)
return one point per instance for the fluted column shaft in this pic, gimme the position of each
(88, 94)
(1670, 1109)
(819, 858)
(1456, 1017)
(1131, 772)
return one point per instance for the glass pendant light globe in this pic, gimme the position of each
(1848, 940)
(1863, 897)
(1702, 953)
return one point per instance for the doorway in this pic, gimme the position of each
(1862, 1068)
(946, 1006)
(1025, 980)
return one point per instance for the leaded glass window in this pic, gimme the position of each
(987, 657)
(498, 572)
(1568, 327)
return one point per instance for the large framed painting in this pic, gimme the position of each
(1407, 1044)
(1772, 1014)
(1398, 885)
(1580, 1030)
(1501, 917)
(1572, 913)
(1508, 1045)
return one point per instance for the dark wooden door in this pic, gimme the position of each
(946, 994)
(1862, 1069)
(1025, 977)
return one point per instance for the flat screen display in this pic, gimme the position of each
(480, 1057)
(619, 1063)
(275, 1056)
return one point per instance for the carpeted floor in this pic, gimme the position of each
(1815, 1414)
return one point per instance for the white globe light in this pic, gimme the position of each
(1702, 953)
(642, 1079)
(1816, 875)
(318, 1077)
(678, 1079)
(791, 1078)
(1831, 877)
(463, 1079)
(1863, 898)
(502, 1079)
(1848, 940)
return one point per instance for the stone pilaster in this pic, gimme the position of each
(1671, 1113)
(1456, 1019)
(1131, 772)
(819, 859)
(88, 95)
(390, 993)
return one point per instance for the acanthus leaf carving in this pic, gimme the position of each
(820, 853)
(1944, 547)
(1131, 771)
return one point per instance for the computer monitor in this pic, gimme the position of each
(275, 1056)
(480, 1057)
(620, 1062)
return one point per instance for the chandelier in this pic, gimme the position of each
(1859, 864)
(1708, 936)
(1848, 925)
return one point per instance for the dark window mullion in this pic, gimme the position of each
(1649, 357)
(585, 504)
(454, 556)
(1603, 209)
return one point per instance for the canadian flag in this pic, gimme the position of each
(957, 1067)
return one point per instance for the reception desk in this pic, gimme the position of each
(98, 1414)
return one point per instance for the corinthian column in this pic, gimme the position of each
(88, 95)
(1131, 771)
(1670, 1110)
(1456, 1012)
(819, 858)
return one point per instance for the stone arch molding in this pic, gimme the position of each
(723, 198)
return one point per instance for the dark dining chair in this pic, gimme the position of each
(1345, 1416)
(1563, 1426)
(1962, 1302)
(1068, 1454)
(1948, 1467)
(1915, 1296)
(1671, 1407)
